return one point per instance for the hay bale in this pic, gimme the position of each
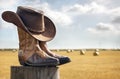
(57, 50)
(14, 50)
(68, 51)
(72, 50)
(96, 53)
(82, 52)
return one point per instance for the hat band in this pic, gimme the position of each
(36, 31)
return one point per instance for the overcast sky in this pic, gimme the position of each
(79, 23)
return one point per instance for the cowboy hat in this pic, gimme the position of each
(33, 22)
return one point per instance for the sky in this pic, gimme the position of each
(79, 23)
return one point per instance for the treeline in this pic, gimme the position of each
(8, 49)
(65, 49)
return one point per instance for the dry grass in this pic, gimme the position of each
(105, 66)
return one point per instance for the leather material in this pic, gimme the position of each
(36, 60)
(63, 60)
(26, 44)
(30, 53)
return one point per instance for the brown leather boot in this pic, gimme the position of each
(30, 53)
(62, 59)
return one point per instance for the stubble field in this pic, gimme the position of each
(104, 66)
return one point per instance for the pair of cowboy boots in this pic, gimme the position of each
(35, 53)
(33, 29)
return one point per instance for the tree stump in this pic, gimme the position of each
(26, 72)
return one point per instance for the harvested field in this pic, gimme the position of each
(104, 66)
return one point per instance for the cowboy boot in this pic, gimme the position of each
(30, 53)
(62, 59)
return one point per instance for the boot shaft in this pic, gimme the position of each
(26, 44)
(26, 41)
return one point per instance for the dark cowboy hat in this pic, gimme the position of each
(33, 22)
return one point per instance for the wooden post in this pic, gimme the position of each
(27, 72)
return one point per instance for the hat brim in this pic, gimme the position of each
(47, 35)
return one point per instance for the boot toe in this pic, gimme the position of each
(64, 60)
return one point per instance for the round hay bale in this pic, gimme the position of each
(57, 50)
(14, 50)
(72, 50)
(68, 51)
(82, 52)
(96, 53)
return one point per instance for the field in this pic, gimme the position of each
(104, 66)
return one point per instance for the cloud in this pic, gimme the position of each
(109, 9)
(59, 17)
(104, 28)
(3, 3)
(116, 20)
(108, 3)
(93, 8)
(6, 5)
(103, 2)
(114, 12)
(64, 16)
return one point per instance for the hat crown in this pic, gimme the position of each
(33, 19)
